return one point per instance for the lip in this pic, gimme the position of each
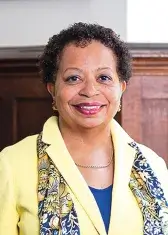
(89, 108)
(89, 104)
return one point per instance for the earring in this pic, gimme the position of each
(53, 106)
(119, 109)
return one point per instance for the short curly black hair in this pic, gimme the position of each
(81, 34)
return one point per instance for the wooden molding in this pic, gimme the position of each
(150, 65)
(150, 60)
(19, 66)
(23, 60)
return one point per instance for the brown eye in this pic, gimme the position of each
(104, 78)
(72, 79)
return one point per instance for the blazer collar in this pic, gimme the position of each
(124, 157)
(122, 195)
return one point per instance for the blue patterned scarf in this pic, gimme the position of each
(57, 214)
(149, 195)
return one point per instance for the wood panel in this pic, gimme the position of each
(29, 115)
(24, 101)
(145, 103)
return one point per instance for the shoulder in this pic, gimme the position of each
(18, 172)
(158, 165)
(21, 148)
(151, 156)
(20, 155)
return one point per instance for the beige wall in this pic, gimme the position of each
(32, 22)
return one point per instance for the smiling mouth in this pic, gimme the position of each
(88, 109)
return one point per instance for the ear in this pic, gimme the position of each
(51, 89)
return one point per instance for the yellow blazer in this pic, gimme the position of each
(19, 181)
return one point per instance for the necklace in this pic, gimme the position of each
(95, 167)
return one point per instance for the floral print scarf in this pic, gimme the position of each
(56, 210)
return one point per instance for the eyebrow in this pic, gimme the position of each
(73, 68)
(80, 70)
(102, 68)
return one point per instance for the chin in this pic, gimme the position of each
(91, 123)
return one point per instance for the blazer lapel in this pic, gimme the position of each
(63, 161)
(124, 205)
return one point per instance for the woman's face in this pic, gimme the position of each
(87, 90)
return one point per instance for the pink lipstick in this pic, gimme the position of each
(89, 108)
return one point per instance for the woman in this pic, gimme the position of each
(83, 174)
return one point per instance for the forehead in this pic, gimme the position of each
(94, 54)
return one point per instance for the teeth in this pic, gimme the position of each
(89, 107)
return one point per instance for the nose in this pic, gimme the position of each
(89, 89)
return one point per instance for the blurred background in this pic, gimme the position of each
(25, 27)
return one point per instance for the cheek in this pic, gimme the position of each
(113, 95)
(64, 95)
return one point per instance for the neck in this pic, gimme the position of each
(77, 137)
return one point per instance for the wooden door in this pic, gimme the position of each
(145, 104)
(24, 102)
